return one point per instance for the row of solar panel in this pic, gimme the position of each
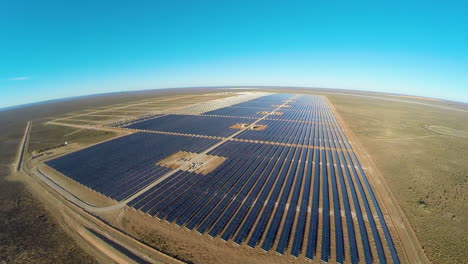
(221, 200)
(135, 169)
(124, 122)
(248, 193)
(300, 112)
(291, 114)
(188, 124)
(120, 167)
(294, 133)
(354, 163)
(308, 100)
(311, 115)
(240, 111)
(253, 108)
(220, 126)
(266, 101)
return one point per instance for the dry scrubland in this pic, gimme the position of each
(426, 171)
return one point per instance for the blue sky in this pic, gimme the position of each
(55, 49)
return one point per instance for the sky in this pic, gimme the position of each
(55, 49)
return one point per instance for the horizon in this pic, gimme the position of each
(331, 90)
(68, 50)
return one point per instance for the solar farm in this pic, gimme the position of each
(274, 172)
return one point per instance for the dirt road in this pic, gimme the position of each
(23, 147)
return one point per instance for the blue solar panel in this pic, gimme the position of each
(268, 208)
(121, 167)
(283, 199)
(303, 212)
(190, 124)
(290, 216)
(339, 241)
(313, 228)
(228, 202)
(240, 111)
(264, 194)
(272, 171)
(262, 175)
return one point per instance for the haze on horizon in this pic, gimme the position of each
(55, 49)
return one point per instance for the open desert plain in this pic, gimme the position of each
(235, 175)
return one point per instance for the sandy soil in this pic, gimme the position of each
(243, 125)
(186, 160)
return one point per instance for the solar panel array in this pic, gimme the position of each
(296, 187)
(121, 167)
(189, 124)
